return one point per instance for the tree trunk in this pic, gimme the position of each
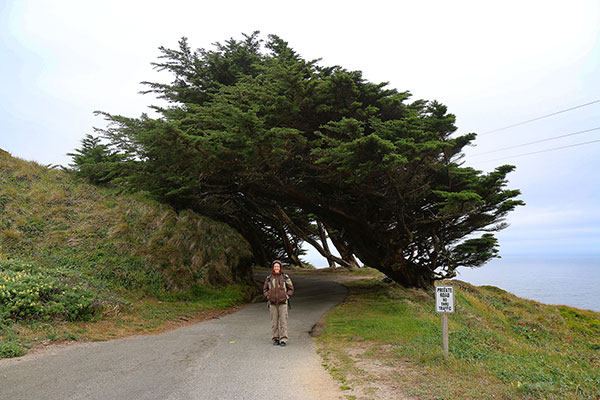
(289, 249)
(352, 261)
(408, 274)
(344, 251)
(309, 239)
(258, 250)
(325, 244)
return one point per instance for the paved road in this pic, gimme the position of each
(194, 362)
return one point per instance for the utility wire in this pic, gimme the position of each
(538, 118)
(537, 141)
(541, 151)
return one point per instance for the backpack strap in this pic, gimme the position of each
(285, 276)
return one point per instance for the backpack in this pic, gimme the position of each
(285, 276)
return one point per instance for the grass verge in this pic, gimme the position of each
(133, 314)
(385, 340)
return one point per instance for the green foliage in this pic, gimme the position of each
(93, 161)
(26, 292)
(475, 252)
(270, 143)
(515, 347)
(11, 349)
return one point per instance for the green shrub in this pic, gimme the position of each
(28, 292)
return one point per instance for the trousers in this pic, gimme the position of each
(279, 317)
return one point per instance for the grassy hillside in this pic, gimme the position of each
(385, 340)
(74, 252)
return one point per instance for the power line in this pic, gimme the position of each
(537, 141)
(541, 151)
(538, 118)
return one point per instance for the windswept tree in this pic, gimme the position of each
(95, 161)
(278, 146)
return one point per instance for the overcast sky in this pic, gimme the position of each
(493, 64)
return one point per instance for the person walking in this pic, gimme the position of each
(278, 288)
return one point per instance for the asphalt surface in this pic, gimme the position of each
(227, 358)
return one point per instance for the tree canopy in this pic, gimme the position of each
(287, 151)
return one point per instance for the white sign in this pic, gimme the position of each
(444, 299)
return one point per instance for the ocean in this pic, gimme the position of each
(572, 281)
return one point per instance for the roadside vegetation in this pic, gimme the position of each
(79, 262)
(384, 341)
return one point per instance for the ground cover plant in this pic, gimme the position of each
(27, 291)
(501, 346)
(131, 313)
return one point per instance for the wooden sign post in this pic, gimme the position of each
(444, 304)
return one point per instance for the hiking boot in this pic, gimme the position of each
(275, 342)
(282, 343)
